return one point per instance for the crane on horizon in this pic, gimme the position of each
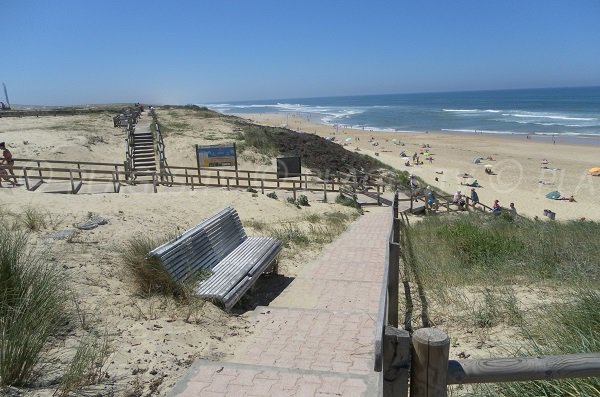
(7, 106)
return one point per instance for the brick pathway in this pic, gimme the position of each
(317, 337)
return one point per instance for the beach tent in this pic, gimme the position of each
(477, 160)
(594, 171)
(488, 166)
(553, 195)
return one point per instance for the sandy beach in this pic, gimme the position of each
(521, 174)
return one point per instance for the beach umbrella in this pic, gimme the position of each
(594, 171)
(553, 195)
(477, 160)
(488, 166)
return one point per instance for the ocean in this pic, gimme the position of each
(557, 112)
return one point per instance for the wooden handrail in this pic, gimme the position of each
(515, 369)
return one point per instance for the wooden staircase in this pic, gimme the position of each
(143, 156)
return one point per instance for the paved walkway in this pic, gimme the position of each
(317, 337)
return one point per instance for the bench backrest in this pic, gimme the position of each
(203, 246)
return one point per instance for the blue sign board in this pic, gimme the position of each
(216, 155)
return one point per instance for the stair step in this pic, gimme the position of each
(143, 155)
(142, 134)
(144, 164)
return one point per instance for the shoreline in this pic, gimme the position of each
(521, 174)
(317, 118)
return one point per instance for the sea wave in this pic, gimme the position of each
(472, 110)
(551, 116)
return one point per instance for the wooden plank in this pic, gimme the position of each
(487, 370)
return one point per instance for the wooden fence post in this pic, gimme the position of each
(249, 179)
(192, 180)
(40, 171)
(325, 192)
(186, 177)
(154, 182)
(227, 183)
(218, 177)
(72, 183)
(429, 363)
(378, 195)
(79, 169)
(262, 186)
(26, 178)
(294, 189)
(396, 362)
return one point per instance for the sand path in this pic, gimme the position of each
(318, 335)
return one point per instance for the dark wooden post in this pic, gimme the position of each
(154, 182)
(325, 191)
(249, 179)
(198, 165)
(40, 171)
(429, 367)
(117, 173)
(26, 178)
(379, 196)
(218, 177)
(294, 189)
(396, 362)
(79, 168)
(186, 177)
(72, 183)
(227, 183)
(192, 180)
(262, 186)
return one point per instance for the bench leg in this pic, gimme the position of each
(275, 266)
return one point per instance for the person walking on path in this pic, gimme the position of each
(7, 159)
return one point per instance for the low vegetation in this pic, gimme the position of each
(471, 265)
(150, 277)
(33, 308)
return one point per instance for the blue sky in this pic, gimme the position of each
(70, 52)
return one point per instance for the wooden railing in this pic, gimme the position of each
(37, 171)
(422, 359)
(165, 171)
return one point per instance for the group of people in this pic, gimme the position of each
(6, 165)
(497, 209)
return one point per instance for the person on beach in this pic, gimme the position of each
(431, 199)
(459, 200)
(496, 208)
(474, 196)
(512, 211)
(7, 159)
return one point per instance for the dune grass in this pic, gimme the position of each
(572, 326)
(488, 256)
(479, 249)
(150, 277)
(33, 308)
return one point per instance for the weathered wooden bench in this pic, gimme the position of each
(219, 244)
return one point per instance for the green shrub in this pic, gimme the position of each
(347, 201)
(303, 201)
(252, 190)
(272, 195)
(33, 308)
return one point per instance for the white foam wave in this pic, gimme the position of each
(551, 116)
(472, 110)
